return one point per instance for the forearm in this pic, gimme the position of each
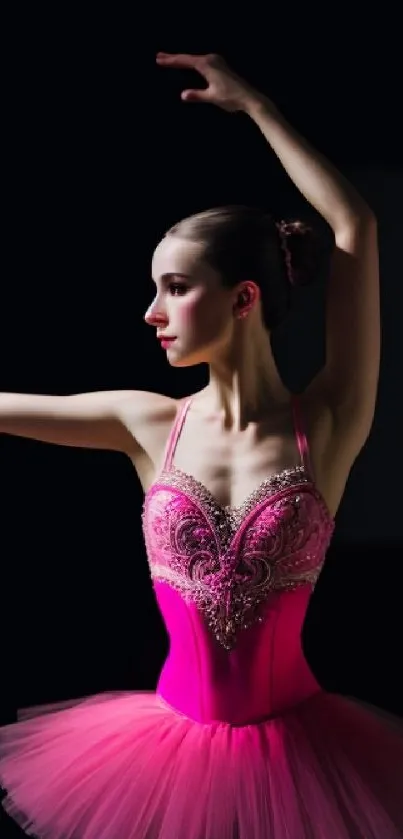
(329, 192)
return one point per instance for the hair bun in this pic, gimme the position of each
(302, 251)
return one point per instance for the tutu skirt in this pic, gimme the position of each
(126, 765)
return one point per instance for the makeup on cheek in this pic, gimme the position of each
(186, 311)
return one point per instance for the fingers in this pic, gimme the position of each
(194, 96)
(177, 60)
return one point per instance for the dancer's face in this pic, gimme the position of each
(190, 303)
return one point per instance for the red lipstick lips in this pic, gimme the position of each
(165, 341)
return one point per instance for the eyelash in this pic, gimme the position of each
(180, 286)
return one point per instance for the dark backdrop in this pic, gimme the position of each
(101, 157)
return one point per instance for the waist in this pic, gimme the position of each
(221, 716)
(238, 688)
(264, 673)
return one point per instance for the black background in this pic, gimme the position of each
(101, 156)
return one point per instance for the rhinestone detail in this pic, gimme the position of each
(226, 560)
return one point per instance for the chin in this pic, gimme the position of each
(192, 353)
(190, 359)
(184, 362)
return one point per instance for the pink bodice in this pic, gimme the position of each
(233, 586)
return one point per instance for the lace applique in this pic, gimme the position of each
(227, 560)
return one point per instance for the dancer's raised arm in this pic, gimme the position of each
(348, 382)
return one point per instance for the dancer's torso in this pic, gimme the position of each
(233, 584)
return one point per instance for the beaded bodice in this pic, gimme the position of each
(228, 565)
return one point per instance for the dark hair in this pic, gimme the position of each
(244, 243)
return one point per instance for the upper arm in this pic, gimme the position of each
(101, 419)
(348, 382)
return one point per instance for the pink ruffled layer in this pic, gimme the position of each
(126, 766)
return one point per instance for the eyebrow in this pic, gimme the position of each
(170, 274)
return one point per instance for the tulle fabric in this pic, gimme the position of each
(127, 766)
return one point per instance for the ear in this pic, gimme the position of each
(249, 291)
(248, 294)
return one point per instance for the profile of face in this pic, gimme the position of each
(191, 304)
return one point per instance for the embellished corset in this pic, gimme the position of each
(228, 560)
(233, 586)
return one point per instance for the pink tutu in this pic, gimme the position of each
(127, 766)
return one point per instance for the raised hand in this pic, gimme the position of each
(224, 87)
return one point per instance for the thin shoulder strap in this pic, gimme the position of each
(175, 433)
(300, 433)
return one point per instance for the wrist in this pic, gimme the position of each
(255, 104)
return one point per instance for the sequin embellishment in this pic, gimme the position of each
(227, 560)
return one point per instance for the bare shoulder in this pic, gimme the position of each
(143, 405)
(144, 410)
(149, 417)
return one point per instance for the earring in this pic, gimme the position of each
(242, 300)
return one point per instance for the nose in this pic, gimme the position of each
(154, 315)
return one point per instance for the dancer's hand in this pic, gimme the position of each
(225, 88)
